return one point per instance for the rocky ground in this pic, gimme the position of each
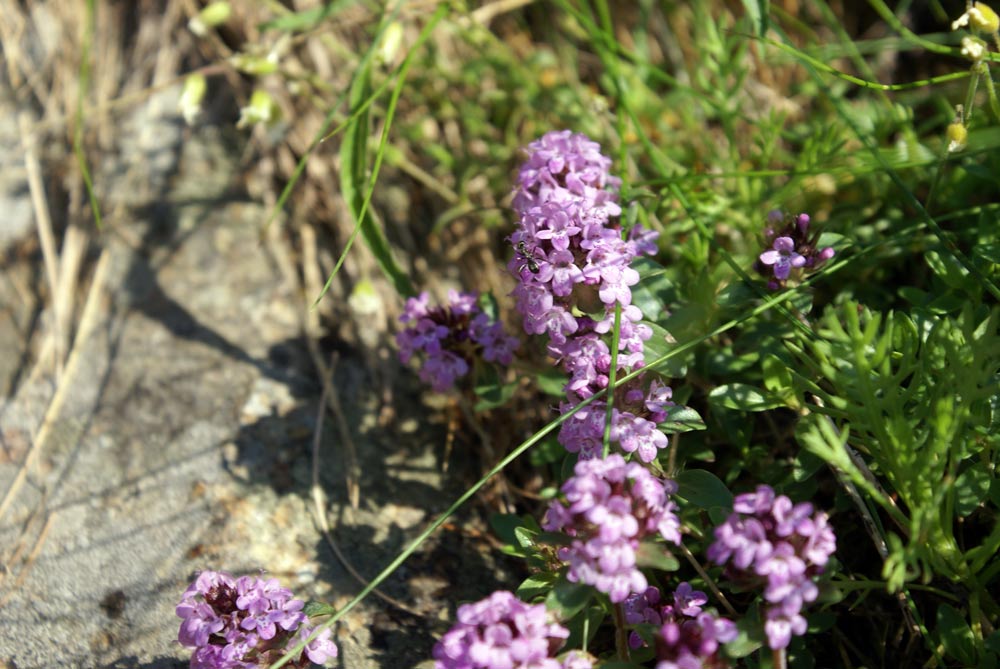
(179, 437)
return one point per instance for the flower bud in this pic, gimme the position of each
(364, 300)
(983, 19)
(980, 18)
(254, 65)
(194, 91)
(262, 109)
(957, 135)
(212, 15)
(391, 40)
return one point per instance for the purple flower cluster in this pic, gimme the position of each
(770, 541)
(610, 507)
(239, 623)
(687, 636)
(791, 247)
(502, 632)
(633, 422)
(571, 258)
(451, 338)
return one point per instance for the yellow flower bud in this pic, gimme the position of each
(983, 19)
(957, 135)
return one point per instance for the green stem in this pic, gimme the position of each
(970, 96)
(854, 583)
(990, 89)
(621, 634)
(889, 17)
(864, 83)
(975, 618)
(612, 374)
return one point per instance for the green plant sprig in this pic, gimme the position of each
(84, 86)
(909, 393)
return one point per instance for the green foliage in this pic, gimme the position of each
(491, 390)
(910, 391)
(870, 386)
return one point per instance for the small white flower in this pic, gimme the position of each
(963, 20)
(973, 49)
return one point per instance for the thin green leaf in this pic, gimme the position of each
(492, 397)
(659, 345)
(81, 92)
(750, 637)
(353, 176)
(536, 586)
(551, 382)
(313, 609)
(758, 11)
(306, 19)
(372, 234)
(504, 525)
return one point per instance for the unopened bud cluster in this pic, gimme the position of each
(451, 338)
(792, 246)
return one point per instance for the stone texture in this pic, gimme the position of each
(185, 444)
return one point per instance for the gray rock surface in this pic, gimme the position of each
(184, 443)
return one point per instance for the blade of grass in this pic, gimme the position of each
(81, 159)
(300, 167)
(324, 134)
(349, 183)
(864, 83)
(353, 173)
(759, 12)
(306, 19)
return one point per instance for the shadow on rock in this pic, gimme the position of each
(159, 663)
(402, 489)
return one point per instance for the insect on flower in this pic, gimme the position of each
(530, 261)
